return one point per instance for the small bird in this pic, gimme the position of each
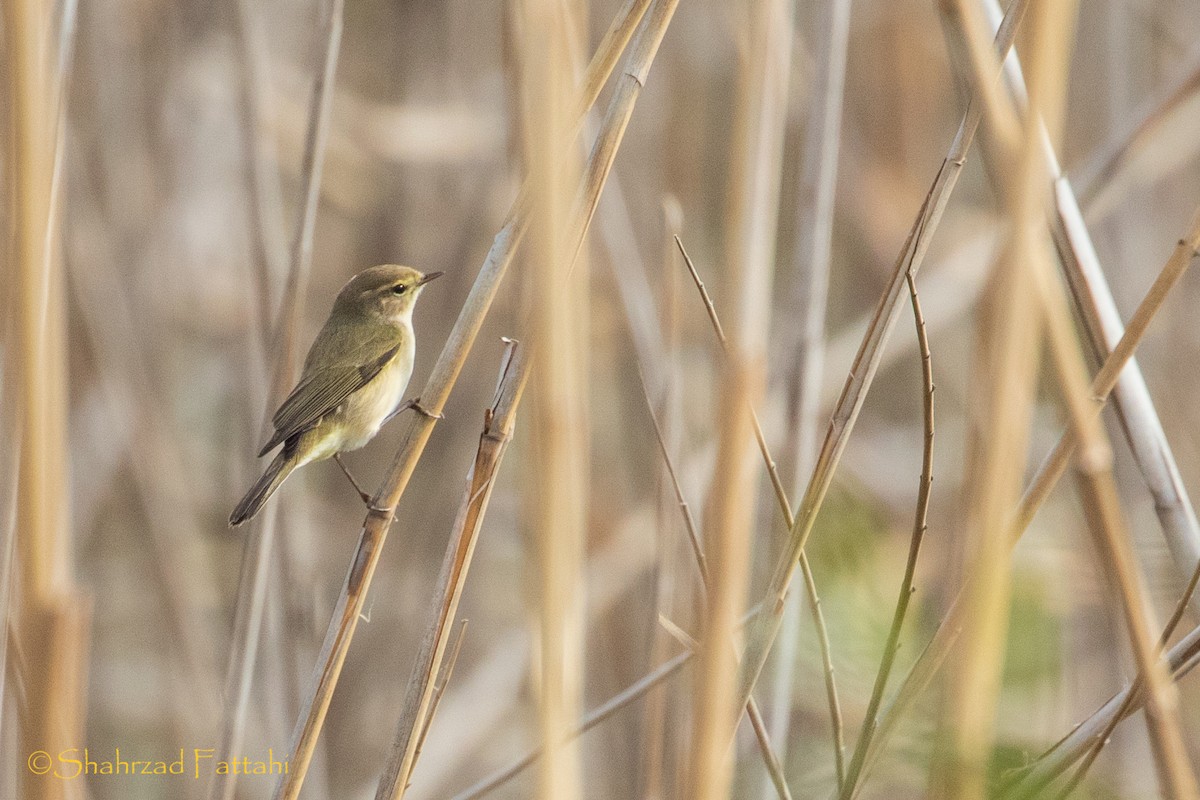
(353, 381)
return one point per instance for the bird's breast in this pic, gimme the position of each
(365, 410)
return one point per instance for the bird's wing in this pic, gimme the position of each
(322, 390)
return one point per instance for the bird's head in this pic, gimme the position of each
(388, 291)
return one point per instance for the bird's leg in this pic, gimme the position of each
(366, 498)
(415, 405)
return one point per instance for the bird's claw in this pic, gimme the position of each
(415, 405)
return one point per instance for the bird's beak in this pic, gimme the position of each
(427, 278)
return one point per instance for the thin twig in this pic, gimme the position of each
(770, 759)
(774, 768)
(602, 712)
(920, 526)
(818, 616)
(689, 522)
(593, 718)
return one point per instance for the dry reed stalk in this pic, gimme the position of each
(441, 380)
(763, 630)
(953, 623)
(498, 424)
(1118, 374)
(944, 638)
(658, 745)
(810, 585)
(1135, 407)
(1091, 734)
(1136, 687)
(1102, 507)
(806, 352)
(1011, 335)
(1136, 412)
(750, 239)
(557, 510)
(775, 774)
(715, 710)
(284, 347)
(9, 466)
(920, 526)
(54, 615)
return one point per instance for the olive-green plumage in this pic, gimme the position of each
(354, 377)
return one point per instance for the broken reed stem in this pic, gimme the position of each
(763, 630)
(419, 697)
(920, 526)
(284, 345)
(439, 691)
(818, 616)
(437, 389)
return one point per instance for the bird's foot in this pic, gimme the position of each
(368, 501)
(415, 405)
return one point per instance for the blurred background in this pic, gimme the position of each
(182, 144)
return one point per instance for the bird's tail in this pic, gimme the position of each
(276, 472)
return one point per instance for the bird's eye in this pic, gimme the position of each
(399, 288)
